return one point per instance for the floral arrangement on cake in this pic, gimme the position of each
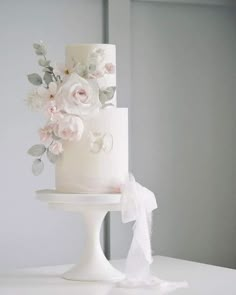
(66, 97)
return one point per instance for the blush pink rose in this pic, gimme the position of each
(51, 109)
(80, 94)
(46, 133)
(56, 148)
(110, 68)
(70, 128)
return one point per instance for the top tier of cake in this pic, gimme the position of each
(102, 57)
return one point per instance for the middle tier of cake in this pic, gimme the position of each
(98, 163)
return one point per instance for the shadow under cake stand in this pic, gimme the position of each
(93, 207)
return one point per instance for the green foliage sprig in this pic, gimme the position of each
(49, 75)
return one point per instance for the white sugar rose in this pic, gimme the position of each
(78, 96)
(70, 128)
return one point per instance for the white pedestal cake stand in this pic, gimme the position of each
(93, 207)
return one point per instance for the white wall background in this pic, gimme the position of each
(30, 233)
(183, 126)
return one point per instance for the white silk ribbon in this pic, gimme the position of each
(137, 204)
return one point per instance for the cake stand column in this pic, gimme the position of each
(93, 264)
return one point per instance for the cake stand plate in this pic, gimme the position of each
(93, 207)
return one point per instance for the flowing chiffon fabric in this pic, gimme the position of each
(137, 204)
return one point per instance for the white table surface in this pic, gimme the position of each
(202, 279)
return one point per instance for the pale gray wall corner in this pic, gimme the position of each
(165, 26)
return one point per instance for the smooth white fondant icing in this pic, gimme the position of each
(82, 170)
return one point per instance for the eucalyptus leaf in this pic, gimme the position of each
(35, 79)
(107, 105)
(81, 70)
(59, 78)
(110, 91)
(48, 69)
(41, 50)
(36, 45)
(106, 94)
(37, 167)
(92, 67)
(43, 62)
(55, 137)
(38, 52)
(47, 77)
(102, 97)
(52, 157)
(37, 150)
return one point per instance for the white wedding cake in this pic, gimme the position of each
(86, 134)
(98, 163)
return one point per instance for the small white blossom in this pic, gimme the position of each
(48, 94)
(34, 101)
(63, 70)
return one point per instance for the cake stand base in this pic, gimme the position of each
(93, 265)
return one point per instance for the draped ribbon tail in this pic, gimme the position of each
(137, 204)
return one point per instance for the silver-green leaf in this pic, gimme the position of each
(108, 105)
(35, 79)
(41, 50)
(55, 137)
(36, 46)
(106, 94)
(43, 62)
(82, 70)
(52, 157)
(47, 77)
(92, 67)
(37, 167)
(37, 150)
(110, 91)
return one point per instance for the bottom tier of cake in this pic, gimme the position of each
(98, 163)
